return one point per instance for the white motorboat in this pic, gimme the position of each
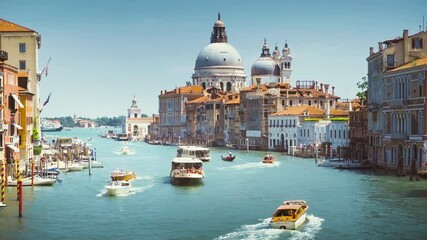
(354, 164)
(124, 150)
(38, 181)
(201, 153)
(115, 188)
(331, 162)
(289, 215)
(187, 170)
(74, 167)
(93, 164)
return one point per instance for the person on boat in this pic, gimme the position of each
(229, 154)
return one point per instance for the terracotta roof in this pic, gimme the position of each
(299, 110)
(338, 112)
(199, 100)
(191, 89)
(6, 26)
(415, 63)
(233, 101)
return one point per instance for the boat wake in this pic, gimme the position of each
(251, 165)
(262, 230)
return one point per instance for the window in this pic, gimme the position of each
(417, 43)
(22, 65)
(22, 47)
(390, 60)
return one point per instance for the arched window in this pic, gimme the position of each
(228, 86)
(221, 84)
(204, 85)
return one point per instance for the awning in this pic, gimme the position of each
(17, 126)
(13, 147)
(17, 100)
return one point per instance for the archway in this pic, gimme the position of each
(229, 87)
(414, 162)
(400, 164)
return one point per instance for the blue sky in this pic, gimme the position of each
(106, 51)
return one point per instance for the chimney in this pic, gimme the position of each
(326, 90)
(333, 91)
(380, 46)
(405, 33)
(161, 92)
(371, 51)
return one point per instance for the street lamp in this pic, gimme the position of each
(247, 145)
(179, 140)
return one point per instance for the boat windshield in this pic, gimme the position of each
(284, 213)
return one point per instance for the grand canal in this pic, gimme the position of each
(235, 201)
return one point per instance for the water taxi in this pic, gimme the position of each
(186, 170)
(289, 215)
(115, 188)
(120, 175)
(331, 162)
(201, 153)
(268, 158)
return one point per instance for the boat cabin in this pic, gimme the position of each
(186, 163)
(194, 151)
(291, 211)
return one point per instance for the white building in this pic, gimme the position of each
(136, 126)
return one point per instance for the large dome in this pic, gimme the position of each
(220, 54)
(265, 66)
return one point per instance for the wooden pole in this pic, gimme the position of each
(32, 172)
(18, 178)
(3, 184)
(20, 197)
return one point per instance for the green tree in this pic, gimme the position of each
(363, 86)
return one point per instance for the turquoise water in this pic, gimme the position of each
(235, 201)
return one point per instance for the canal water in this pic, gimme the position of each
(235, 201)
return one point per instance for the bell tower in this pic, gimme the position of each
(285, 64)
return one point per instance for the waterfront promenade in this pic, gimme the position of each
(235, 201)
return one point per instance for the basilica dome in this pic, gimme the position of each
(265, 66)
(220, 54)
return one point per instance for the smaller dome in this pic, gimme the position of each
(219, 23)
(265, 66)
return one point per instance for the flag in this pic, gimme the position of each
(47, 100)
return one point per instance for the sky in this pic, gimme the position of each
(106, 52)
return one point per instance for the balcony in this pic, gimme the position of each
(399, 136)
(14, 139)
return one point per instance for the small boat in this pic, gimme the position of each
(93, 164)
(124, 150)
(38, 181)
(354, 164)
(74, 167)
(268, 158)
(115, 188)
(289, 215)
(331, 162)
(187, 170)
(120, 175)
(228, 158)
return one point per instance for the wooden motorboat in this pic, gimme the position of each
(120, 175)
(289, 215)
(268, 158)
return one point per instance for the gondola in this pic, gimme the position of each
(228, 158)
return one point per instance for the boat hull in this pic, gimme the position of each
(117, 190)
(37, 182)
(291, 225)
(184, 176)
(52, 129)
(125, 177)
